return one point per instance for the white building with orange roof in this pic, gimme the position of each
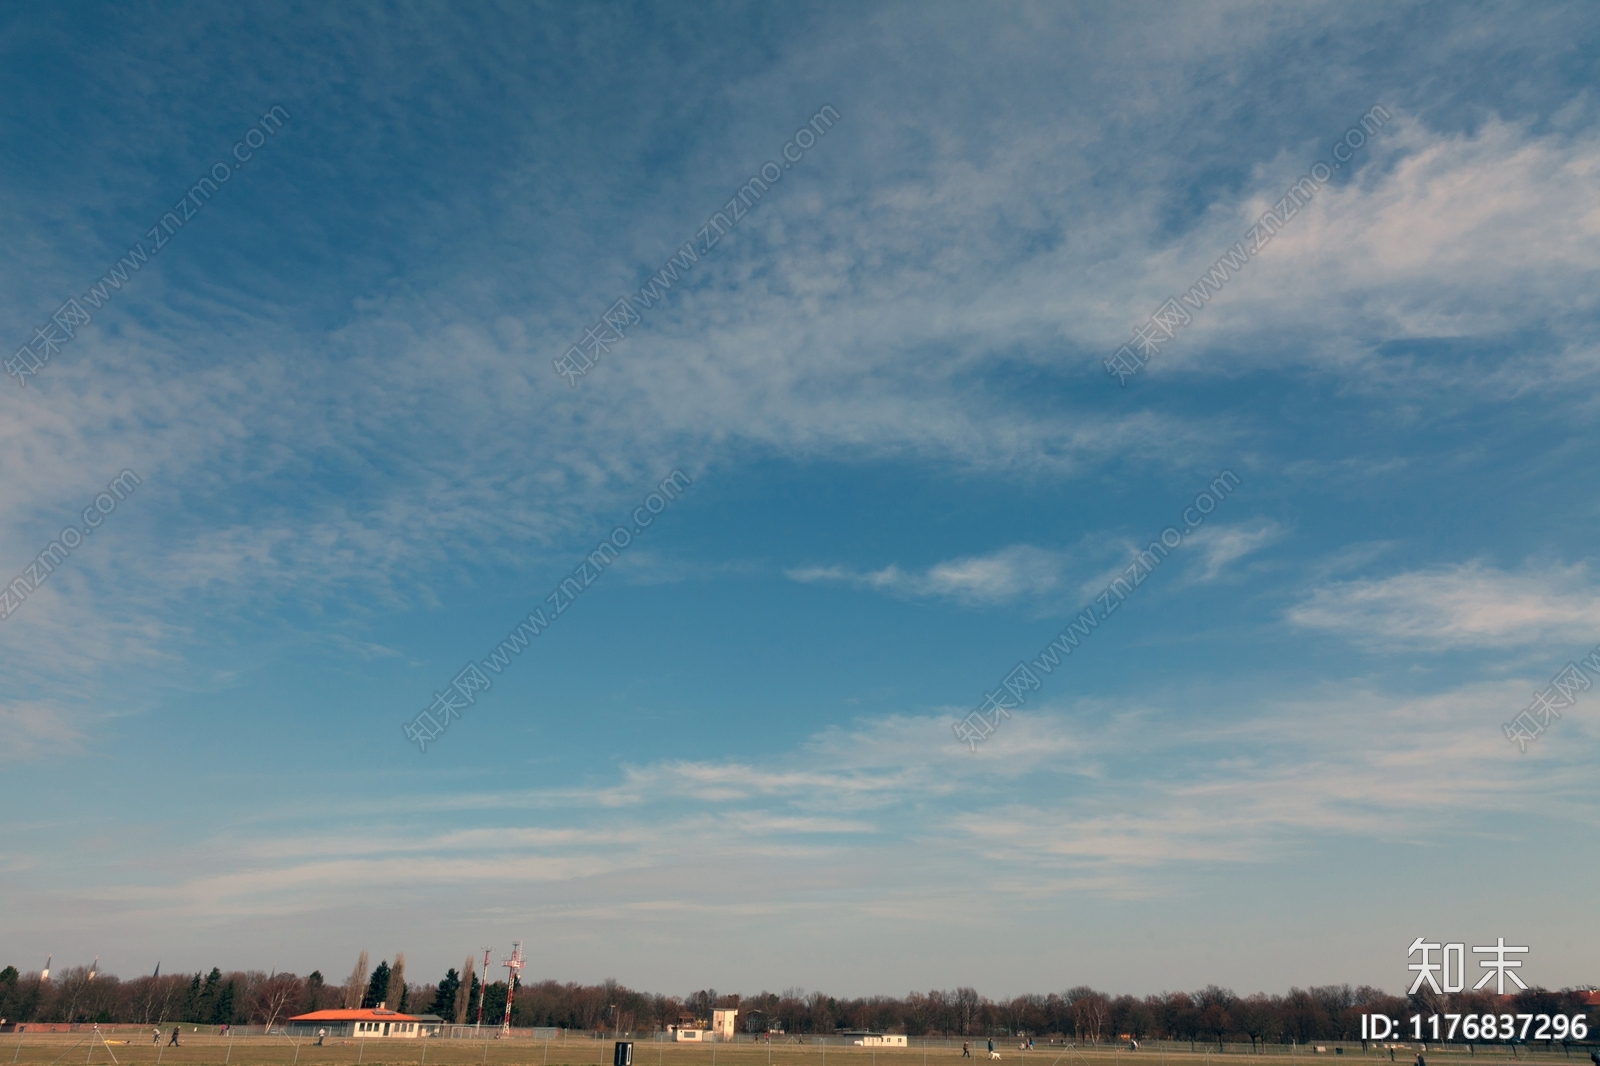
(373, 1023)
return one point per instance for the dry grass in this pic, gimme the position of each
(206, 1049)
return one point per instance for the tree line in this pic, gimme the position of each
(1210, 1015)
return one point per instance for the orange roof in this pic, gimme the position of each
(364, 1015)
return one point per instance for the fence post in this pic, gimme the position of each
(360, 1051)
(297, 1049)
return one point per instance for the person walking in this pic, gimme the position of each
(174, 1041)
(966, 1051)
(320, 1034)
(1420, 1060)
(155, 1037)
(991, 1047)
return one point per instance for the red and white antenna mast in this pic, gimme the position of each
(513, 967)
(483, 986)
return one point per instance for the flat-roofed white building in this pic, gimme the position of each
(862, 1038)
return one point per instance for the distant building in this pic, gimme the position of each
(868, 1038)
(690, 1029)
(373, 1024)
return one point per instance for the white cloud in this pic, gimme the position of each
(1461, 606)
(1221, 545)
(1440, 235)
(998, 577)
(36, 730)
(848, 341)
(1050, 799)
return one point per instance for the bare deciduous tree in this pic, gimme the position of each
(1089, 1012)
(1216, 1010)
(276, 995)
(356, 987)
(967, 1001)
(464, 993)
(395, 993)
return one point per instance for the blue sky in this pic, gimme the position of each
(730, 762)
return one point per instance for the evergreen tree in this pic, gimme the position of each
(222, 1005)
(444, 1000)
(494, 1004)
(378, 987)
(191, 1000)
(8, 992)
(206, 1000)
(314, 993)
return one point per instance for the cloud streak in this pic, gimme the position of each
(1001, 576)
(1466, 606)
(1221, 546)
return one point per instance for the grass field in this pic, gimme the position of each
(206, 1049)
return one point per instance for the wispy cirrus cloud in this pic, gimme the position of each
(998, 577)
(1052, 800)
(38, 730)
(1220, 546)
(1445, 235)
(1468, 606)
